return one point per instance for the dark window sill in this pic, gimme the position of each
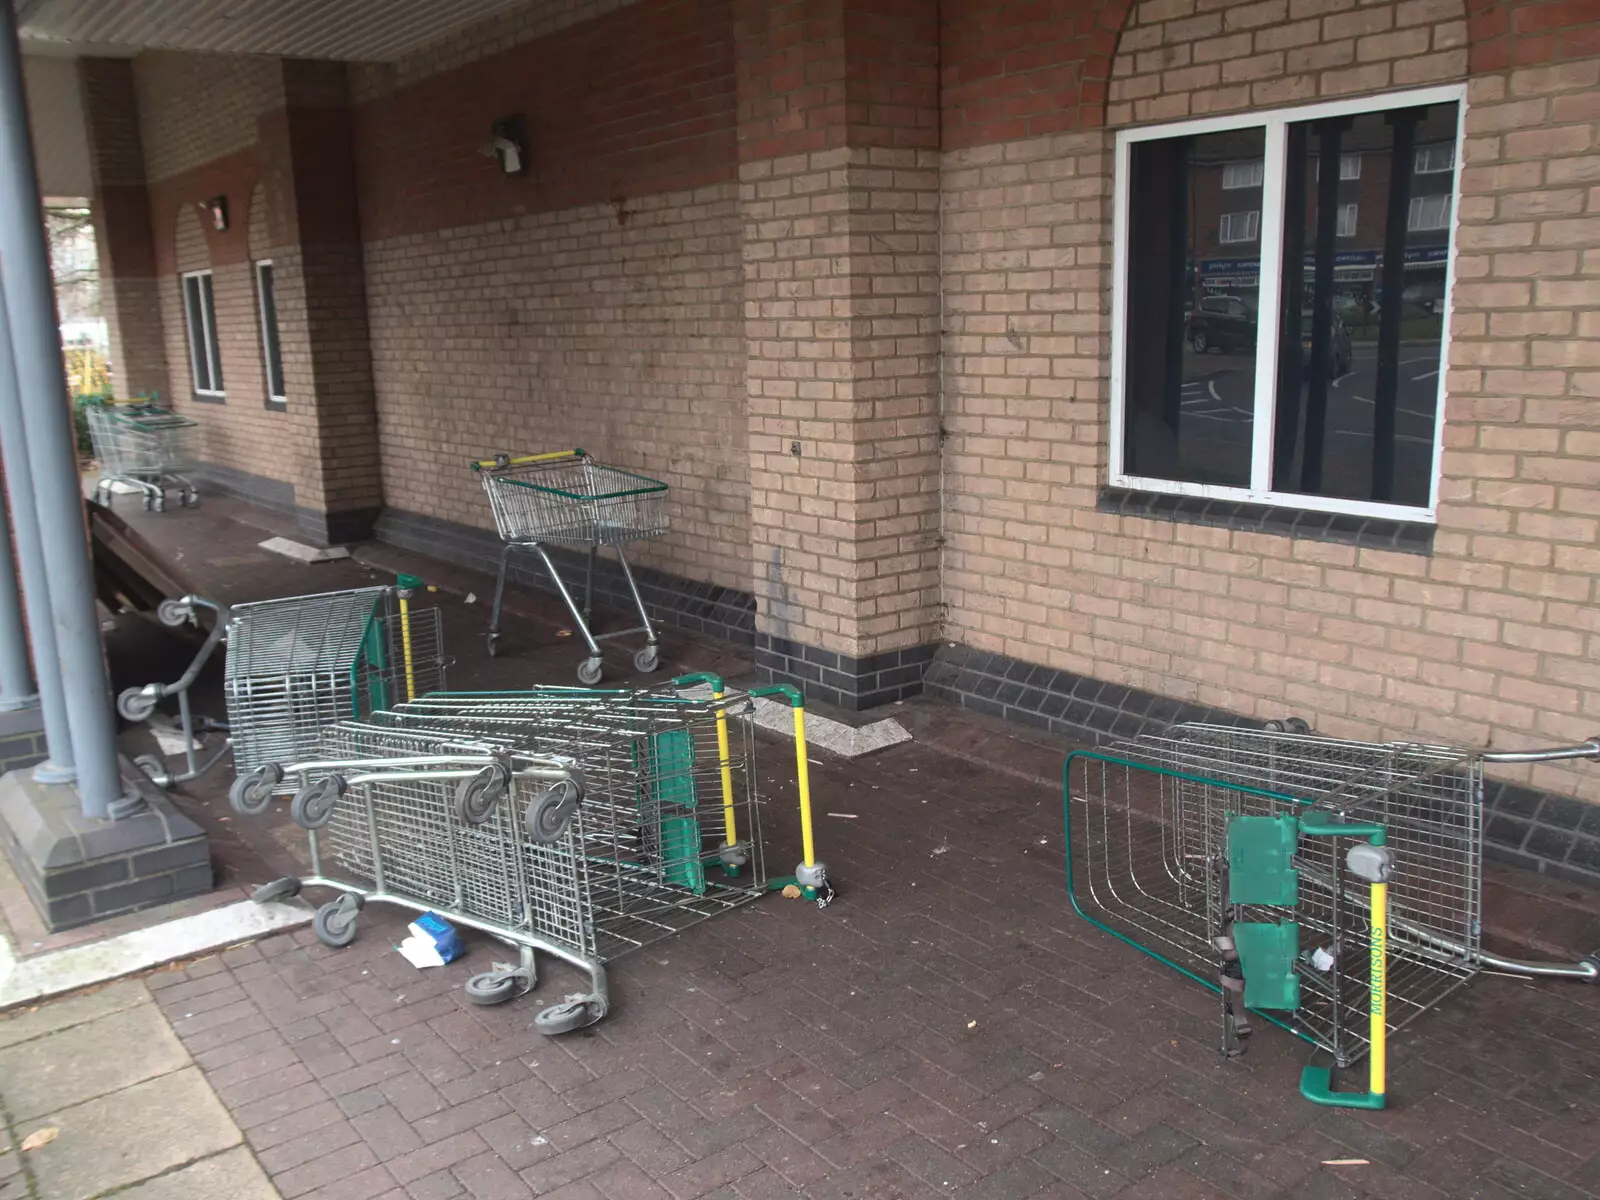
(276, 405)
(208, 398)
(1371, 533)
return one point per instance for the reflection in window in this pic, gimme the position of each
(1429, 212)
(1432, 159)
(1242, 175)
(1347, 220)
(1192, 308)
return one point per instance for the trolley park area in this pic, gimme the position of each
(947, 1026)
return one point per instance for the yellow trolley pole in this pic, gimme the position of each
(1372, 861)
(732, 854)
(811, 875)
(407, 586)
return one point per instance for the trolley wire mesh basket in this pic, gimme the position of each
(142, 446)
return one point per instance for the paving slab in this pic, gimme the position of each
(132, 1135)
(232, 1175)
(27, 1024)
(117, 1050)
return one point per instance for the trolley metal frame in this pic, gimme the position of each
(566, 498)
(294, 665)
(425, 806)
(142, 446)
(1147, 824)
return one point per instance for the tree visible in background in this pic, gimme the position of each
(74, 262)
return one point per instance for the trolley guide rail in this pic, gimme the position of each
(143, 446)
(652, 822)
(566, 498)
(1149, 824)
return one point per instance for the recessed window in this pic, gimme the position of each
(1242, 175)
(271, 351)
(1240, 227)
(1289, 354)
(200, 314)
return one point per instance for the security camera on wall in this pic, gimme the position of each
(508, 138)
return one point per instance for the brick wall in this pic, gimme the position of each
(196, 108)
(1491, 639)
(614, 328)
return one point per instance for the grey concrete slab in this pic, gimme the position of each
(131, 1136)
(232, 1175)
(26, 1025)
(46, 1075)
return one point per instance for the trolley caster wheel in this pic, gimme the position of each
(495, 987)
(589, 671)
(492, 644)
(477, 797)
(647, 660)
(1296, 725)
(313, 804)
(1591, 961)
(191, 499)
(158, 503)
(548, 816)
(278, 889)
(252, 793)
(572, 1013)
(155, 768)
(335, 922)
(174, 613)
(136, 704)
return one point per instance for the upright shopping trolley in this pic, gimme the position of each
(567, 499)
(580, 823)
(297, 665)
(1242, 857)
(142, 446)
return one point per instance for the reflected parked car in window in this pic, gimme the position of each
(1222, 323)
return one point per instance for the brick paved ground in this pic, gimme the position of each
(948, 1027)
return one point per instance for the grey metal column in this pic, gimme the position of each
(52, 452)
(57, 767)
(16, 676)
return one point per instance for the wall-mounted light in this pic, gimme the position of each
(508, 140)
(216, 210)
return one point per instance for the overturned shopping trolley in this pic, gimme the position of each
(566, 499)
(1333, 887)
(295, 666)
(145, 447)
(580, 823)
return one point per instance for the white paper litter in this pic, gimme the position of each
(420, 952)
(302, 552)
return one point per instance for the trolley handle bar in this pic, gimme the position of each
(501, 461)
(1589, 749)
(546, 774)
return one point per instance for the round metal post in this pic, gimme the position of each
(52, 450)
(16, 676)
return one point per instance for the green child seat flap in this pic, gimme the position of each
(680, 853)
(1260, 860)
(665, 762)
(1267, 954)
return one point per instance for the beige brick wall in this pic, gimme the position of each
(841, 308)
(1492, 640)
(194, 108)
(239, 433)
(617, 330)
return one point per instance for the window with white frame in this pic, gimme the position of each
(1240, 227)
(200, 316)
(1437, 158)
(1293, 358)
(1429, 212)
(1237, 175)
(271, 350)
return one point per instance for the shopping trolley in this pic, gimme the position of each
(294, 666)
(565, 498)
(144, 447)
(584, 824)
(1332, 887)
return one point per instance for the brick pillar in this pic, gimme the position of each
(129, 290)
(332, 404)
(839, 191)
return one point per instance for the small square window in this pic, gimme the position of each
(1429, 212)
(1431, 160)
(1347, 221)
(1243, 174)
(1240, 227)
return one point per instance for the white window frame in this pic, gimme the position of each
(1417, 209)
(1345, 160)
(1258, 167)
(1419, 169)
(1344, 229)
(1252, 228)
(208, 330)
(276, 334)
(1275, 122)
